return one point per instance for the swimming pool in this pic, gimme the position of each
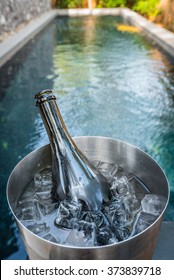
(107, 82)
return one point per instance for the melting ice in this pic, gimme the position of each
(131, 210)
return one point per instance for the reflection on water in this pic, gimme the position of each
(107, 82)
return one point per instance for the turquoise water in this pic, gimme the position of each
(107, 83)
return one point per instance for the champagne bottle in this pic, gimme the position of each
(73, 174)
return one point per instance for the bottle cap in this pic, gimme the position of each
(44, 95)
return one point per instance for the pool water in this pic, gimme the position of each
(107, 83)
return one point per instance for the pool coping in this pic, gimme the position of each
(15, 42)
(163, 37)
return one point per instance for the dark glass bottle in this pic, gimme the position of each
(73, 174)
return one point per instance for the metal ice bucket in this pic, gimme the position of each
(127, 156)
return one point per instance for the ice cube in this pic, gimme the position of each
(116, 213)
(51, 238)
(95, 217)
(38, 228)
(82, 235)
(43, 184)
(122, 233)
(96, 163)
(27, 210)
(108, 170)
(43, 195)
(121, 172)
(131, 203)
(47, 206)
(68, 212)
(120, 187)
(105, 236)
(137, 187)
(43, 180)
(144, 220)
(153, 204)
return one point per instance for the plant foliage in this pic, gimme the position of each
(111, 3)
(71, 3)
(147, 7)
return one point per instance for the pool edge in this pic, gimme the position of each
(15, 42)
(163, 37)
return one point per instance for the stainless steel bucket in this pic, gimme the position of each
(127, 156)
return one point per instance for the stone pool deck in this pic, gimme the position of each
(15, 42)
